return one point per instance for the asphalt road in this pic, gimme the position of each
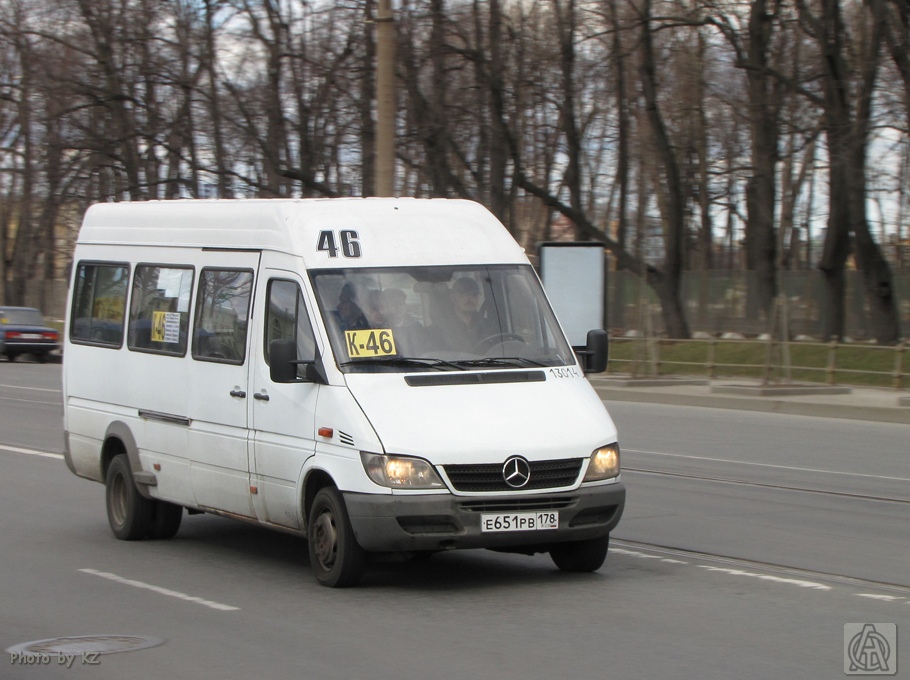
(749, 541)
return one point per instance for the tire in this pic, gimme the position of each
(336, 557)
(11, 357)
(128, 512)
(581, 556)
(166, 518)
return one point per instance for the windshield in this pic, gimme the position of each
(439, 318)
(21, 317)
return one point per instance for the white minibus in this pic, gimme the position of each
(379, 376)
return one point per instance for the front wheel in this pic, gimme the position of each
(336, 557)
(581, 556)
(129, 513)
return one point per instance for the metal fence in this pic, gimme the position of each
(831, 362)
(721, 302)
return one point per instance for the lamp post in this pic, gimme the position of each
(385, 100)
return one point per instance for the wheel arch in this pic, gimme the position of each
(315, 479)
(119, 439)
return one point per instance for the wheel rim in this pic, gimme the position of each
(325, 540)
(118, 499)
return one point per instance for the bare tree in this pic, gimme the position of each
(897, 38)
(753, 47)
(847, 102)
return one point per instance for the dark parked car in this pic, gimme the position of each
(23, 331)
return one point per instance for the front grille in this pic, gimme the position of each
(545, 474)
(517, 504)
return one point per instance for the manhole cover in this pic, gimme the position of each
(85, 644)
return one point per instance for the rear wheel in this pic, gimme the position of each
(10, 357)
(128, 512)
(581, 556)
(166, 518)
(336, 557)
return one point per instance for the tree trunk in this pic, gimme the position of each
(847, 130)
(622, 153)
(367, 96)
(761, 190)
(225, 186)
(499, 151)
(673, 205)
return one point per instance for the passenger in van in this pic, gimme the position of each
(373, 311)
(411, 338)
(348, 314)
(467, 327)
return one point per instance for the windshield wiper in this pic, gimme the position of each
(440, 364)
(500, 361)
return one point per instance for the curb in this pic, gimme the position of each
(882, 414)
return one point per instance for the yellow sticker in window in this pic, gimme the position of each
(165, 327)
(370, 342)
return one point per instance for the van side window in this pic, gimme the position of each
(160, 309)
(222, 315)
(286, 319)
(99, 304)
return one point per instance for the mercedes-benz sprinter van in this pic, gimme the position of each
(376, 375)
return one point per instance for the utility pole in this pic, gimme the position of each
(385, 100)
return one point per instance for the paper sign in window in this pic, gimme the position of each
(166, 327)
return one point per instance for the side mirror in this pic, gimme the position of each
(283, 361)
(595, 354)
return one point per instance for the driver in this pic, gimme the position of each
(468, 326)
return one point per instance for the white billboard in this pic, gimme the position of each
(574, 277)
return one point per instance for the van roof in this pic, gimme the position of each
(390, 231)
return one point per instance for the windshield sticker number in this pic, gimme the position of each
(569, 372)
(372, 342)
(350, 245)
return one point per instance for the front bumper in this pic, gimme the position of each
(444, 522)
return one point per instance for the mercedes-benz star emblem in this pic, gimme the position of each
(516, 472)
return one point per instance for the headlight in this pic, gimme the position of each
(604, 464)
(400, 472)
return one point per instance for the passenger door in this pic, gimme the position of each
(219, 430)
(283, 414)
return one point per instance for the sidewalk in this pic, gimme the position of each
(858, 403)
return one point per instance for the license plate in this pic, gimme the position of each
(519, 521)
(30, 336)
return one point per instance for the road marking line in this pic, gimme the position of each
(767, 465)
(877, 596)
(30, 452)
(36, 389)
(635, 553)
(767, 577)
(645, 556)
(31, 401)
(160, 590)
